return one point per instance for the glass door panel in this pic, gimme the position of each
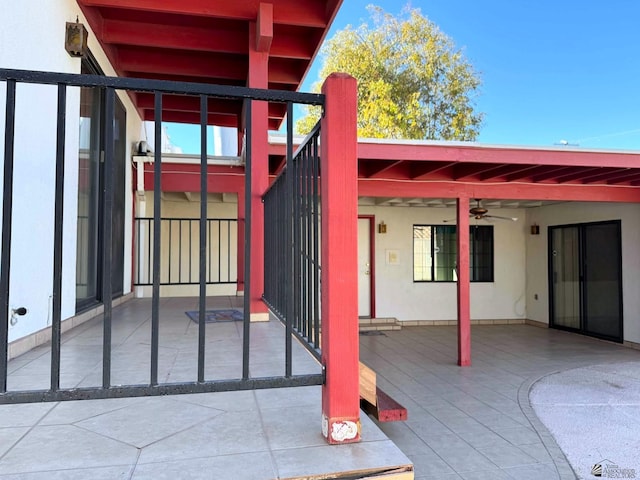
(602, 285)
(565, 277)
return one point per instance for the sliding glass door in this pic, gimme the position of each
(585, 265)
(90, 242)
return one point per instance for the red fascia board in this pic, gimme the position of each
(516, 191)
(503, 155)
(186, 178)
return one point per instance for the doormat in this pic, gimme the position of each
(372, 333)
(219, 315)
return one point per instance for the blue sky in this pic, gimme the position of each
(552, 70)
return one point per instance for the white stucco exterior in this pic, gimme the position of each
(568, 213)
(520, 264)
(31, 282)
(397, 295)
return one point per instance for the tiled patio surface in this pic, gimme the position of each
(253, 435)
(470, 423)
(477, 422)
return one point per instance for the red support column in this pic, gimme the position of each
(464, 309)
(258, 78)
(339, 189)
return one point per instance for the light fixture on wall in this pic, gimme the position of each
(382, 227)
(75, 39)
(535, 229)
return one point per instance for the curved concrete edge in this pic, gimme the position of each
(563, 467)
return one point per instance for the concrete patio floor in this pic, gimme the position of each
(477, 422)
(469, 423)
(253, 435)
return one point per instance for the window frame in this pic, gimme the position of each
(474, 264)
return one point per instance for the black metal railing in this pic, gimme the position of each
(179, 255)
(292, 243)
(158, 88)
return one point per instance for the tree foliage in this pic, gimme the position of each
(412, 81)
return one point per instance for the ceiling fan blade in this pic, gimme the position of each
(513, 219)
(450, 220)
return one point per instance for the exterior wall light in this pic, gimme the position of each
(535, 229)
(75, 39)
(382, 227)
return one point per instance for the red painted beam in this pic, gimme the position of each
(463, 171)
(422, 170)
(521, 173)
(442, 152)
(195, 64)
(519, 191)
(189, 103)
(577, 174)
(291, 12)
(193, 118)
(264, 27)
(375, 168)
(463, 285)
(629, 179)
(178, 37)
(609, 173)
(186, 178)
(550, 173)
(339, 196)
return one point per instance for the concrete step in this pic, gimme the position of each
(373, 324)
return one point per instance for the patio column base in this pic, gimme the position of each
(341, 430)
(259, 317)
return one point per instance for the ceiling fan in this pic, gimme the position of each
(480, 213)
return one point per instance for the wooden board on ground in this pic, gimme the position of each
(367, 384)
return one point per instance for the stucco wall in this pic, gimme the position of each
(397, 295)
(176, 207)
(568, 213)
(35, 140)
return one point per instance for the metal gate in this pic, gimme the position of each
(304, 301)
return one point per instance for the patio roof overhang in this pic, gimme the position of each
(208, 41)
(433, 169)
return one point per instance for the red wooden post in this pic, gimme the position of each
(339, 188)
(258, 78)
(464, 309)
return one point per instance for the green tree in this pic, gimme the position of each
(412, 81)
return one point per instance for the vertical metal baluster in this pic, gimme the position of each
(204, 115)
(57, 238)
(302, 159)
(190, 221)
(157, 187)
(169, 242)
(180, 251)
(316, 247)
(107, 234)
(247, 241)
(149, 252)
(7, 209)
(309, 279)
(290, 243)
